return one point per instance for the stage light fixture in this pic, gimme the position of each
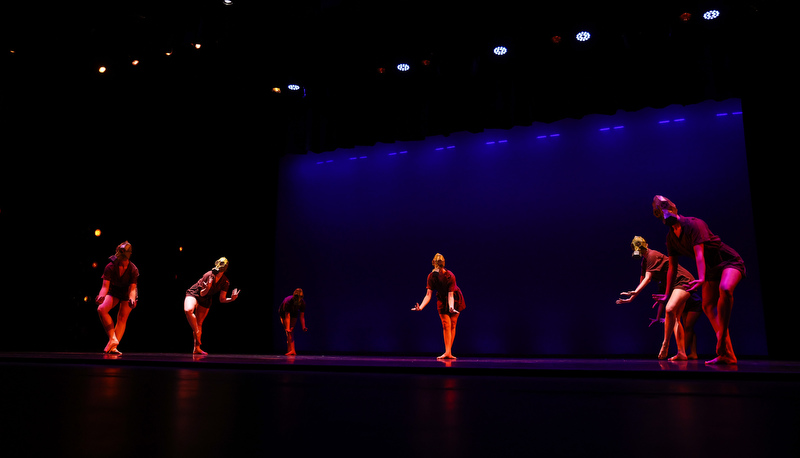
(583, 36)
(135, 62)
(381, 70)
(293, 87)
(97, 232)
(227, 2)
(197, 45)
(685, 17)
(711, 14)
(276, 90)
(500, 50)
(101, 69)
(555, 39)
(403, 67)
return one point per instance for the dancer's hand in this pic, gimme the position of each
(631, 296)
(235, 294)
(694, 285)
(416, 307)
(659, 298)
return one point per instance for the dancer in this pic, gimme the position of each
(449, 301)
(682, 307)
(288, 311)
(198, 299)
(120, 279)
(719, 268)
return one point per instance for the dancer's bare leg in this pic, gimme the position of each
(190, 307)
(200, 313)
(288, 323)
(721, 313)
(690, 339)
(449, 334)
(123, 313)
(675, 305)
(108, 323)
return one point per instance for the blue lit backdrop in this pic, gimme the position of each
(534, 221)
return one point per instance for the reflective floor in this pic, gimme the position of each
(82, 404)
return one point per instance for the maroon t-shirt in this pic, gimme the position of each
(658, 265)
(222, 285)
(444, 283)
(289, 306)
(717, 255)
(120, 284)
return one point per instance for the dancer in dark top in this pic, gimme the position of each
(719, 268)
(199, 297)
(120, 278)
(292, 307)
(682, 307)
(449, 302)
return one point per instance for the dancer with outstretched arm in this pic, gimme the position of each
(449, 302)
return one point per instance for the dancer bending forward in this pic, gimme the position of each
(120, 278)
(292, 307)
(199, 298)
(682, 307)
(719, 268)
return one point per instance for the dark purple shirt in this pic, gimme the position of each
(291, 307)
(717, 255)
(222, 285)
(658, 266)
(120, 284)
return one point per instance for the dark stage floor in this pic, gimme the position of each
(85, 404)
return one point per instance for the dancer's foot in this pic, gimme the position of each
(723, 359)
(198, 351)
(113, 351)
(446, 356)
(691, 356)
(679, 357)
(112, 344)
(290, 353)
(662, 354)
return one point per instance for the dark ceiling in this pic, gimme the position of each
(640, 54)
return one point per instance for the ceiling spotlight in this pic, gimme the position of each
(685, 17)
(276, 90)
(197, 46)
(403, 67)
(583, 36)
(135, 62)
(101, 69)
(556, 39)
(293, 87)
(710, 14)
(500, 50)
(227, 2)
